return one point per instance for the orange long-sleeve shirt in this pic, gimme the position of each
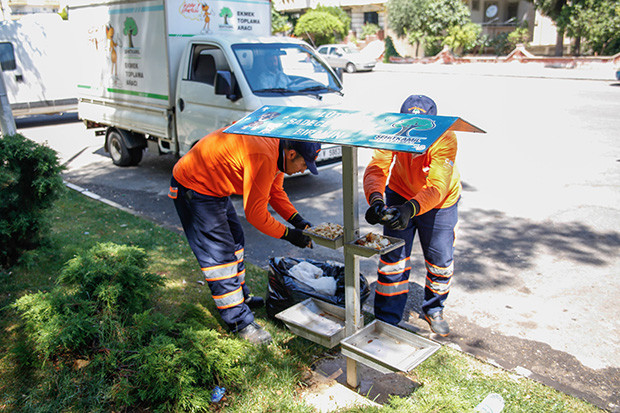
(222, 164)
(431, 178)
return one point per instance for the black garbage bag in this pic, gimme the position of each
(285, 291)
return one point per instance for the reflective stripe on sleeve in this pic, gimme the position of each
(240, 254)
(393, 268)
(444, 272)
(242, 277)
(230, 299)
(438, 287)
(173, 192)
(389, 289)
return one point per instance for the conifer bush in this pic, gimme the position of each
(100, 317)
(30, 182)
(390, 50)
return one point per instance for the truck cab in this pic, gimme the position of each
(223, 78)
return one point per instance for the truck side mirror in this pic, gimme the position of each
(225, 84)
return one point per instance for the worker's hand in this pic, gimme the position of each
(375, 213)
(402, 214)
(297, 238)
(299, 222)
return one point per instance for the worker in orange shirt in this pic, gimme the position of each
(218, 166)
(422, 195)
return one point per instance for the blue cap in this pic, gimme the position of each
(420, 105)
(309, 151)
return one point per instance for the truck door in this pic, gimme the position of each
(199, 110)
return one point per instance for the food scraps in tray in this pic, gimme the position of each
(327, 230)
(372, 240)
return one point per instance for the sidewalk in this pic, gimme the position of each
(586, 71)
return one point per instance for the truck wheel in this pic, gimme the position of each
(350, 68)
(136, 155)
(119, 152)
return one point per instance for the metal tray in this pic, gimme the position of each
(317, 321)
(369, 252)
(333, 243)
(388, 348)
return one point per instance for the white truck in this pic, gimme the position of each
(164, 73)
(35, 56)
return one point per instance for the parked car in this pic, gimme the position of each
(341, 56)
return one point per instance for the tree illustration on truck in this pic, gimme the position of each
(226, 14)
(131, 29)
(407, 125)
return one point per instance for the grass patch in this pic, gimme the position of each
(268, 378)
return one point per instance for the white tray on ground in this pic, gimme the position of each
(387, 348)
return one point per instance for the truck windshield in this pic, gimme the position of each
(285, 69)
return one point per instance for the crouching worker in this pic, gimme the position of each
(422, 195)
(218, 166)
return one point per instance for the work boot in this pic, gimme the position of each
(255, 334)
(254, 302)
(438, 324)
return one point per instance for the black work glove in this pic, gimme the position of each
(377, 209)
(297, 238)
(402, 214)
(298, 221)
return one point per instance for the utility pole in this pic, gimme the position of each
(7, 122)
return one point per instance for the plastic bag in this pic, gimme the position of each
(312, 276)
(285, 291)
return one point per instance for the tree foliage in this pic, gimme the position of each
(597, 23)
(340, 14)
(319, 27)
(426, 17)
(279, 22)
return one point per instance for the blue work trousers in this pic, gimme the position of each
(436, 230)
(215, 235)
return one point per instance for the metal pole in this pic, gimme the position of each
(351, 261)
(7, 122)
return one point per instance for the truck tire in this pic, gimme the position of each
(120, 154)
(136, 155)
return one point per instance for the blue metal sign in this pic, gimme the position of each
(393, 131)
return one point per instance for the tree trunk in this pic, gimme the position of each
(577, 46)
(559, 44)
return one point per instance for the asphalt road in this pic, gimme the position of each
(538, 252)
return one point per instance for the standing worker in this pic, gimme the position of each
(218, 166)
(422, 194)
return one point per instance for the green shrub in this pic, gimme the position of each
(462, 38)
(432, 45)
(30, 182)
(130, 355)
(390, 50)
(500, 44)
(519, 35)
(369, 29)
(319, 27)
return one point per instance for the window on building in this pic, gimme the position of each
(7, 56)
(475, 5)
(511, 13)
(371, 17)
